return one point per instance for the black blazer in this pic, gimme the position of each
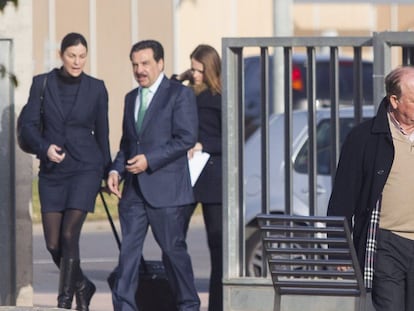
(83, 133)
(208, 188)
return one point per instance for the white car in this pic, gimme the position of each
(300, 203)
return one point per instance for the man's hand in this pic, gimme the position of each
(343, 268)
(113, 183)
(137, 164)
(55, 154)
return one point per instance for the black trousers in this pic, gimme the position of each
(393, 284)
(213, 220)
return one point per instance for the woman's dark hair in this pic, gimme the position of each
(72, 39)
(155, 46)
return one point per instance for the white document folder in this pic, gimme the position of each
(196, 165)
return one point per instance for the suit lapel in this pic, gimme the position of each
(51, 86)
(130, 111)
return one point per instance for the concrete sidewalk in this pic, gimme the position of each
(100, 302)
(46, 298)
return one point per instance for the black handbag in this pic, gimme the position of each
(23, 144)
(154, 292)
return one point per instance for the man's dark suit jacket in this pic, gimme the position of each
(83, 133)
(168, 131)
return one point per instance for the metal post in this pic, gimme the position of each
(283, 26)
(7, 204)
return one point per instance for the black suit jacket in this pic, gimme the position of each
(168, 131)
(208, 188)
(83, 133)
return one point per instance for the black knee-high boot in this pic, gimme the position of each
(84, 289)
(84, 292)
(69, 268)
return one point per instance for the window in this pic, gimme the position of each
(323, 145)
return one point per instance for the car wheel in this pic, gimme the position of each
(254, 255)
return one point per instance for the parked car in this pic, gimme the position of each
(299, 85)
(300, 162)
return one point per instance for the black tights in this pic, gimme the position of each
(62, 232)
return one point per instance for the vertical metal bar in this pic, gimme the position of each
(288, 132)
(7, 181)
(240, 160)
(358, 86)
(288, 140)
(407, 55)
(264, 152)
(12, 190)
(382, 64)
(233, 188)
(334, 78)
(311, 95)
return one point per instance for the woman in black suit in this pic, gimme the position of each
(74, 154)
(205, 79)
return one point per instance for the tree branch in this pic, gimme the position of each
(3, 3)
(11, 76)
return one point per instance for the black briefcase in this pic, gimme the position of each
(154, 292)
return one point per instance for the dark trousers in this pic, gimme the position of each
(167, 225)
(213, 220)
(393, 284)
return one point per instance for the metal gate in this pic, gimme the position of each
(242, 290)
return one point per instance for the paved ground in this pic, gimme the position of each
(46, 299)
(100, 302)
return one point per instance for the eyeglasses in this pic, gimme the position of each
(193, 70)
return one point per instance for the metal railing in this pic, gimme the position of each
(380, 48)
(303, 253)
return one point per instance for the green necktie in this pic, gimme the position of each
(142, 106)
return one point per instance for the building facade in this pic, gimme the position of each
(112, 27)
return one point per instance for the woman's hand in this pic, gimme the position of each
(186, 75)
(197, 147)
(55, 153)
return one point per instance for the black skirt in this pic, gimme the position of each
(58, 192)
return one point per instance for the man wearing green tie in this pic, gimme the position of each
(160, 124)
(143, 104)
